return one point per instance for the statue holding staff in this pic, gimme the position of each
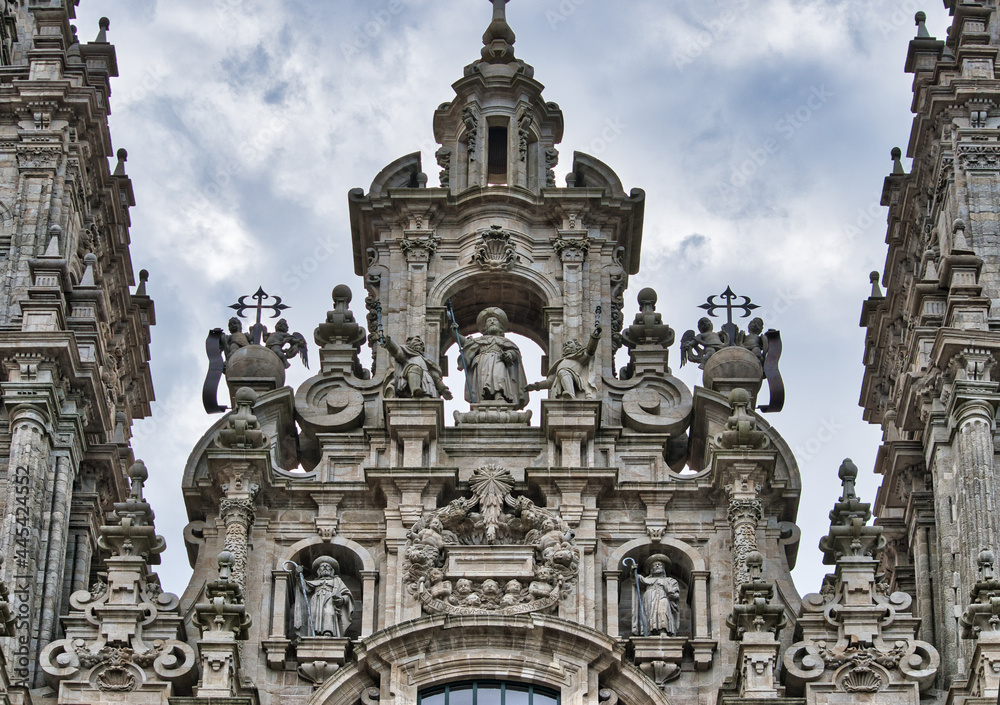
(494, 365)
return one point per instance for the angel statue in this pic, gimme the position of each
(698, 347)
(287, 345)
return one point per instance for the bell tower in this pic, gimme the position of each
(497, 231)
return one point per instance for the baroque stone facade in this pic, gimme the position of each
(633, 544)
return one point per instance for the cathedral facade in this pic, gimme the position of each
(633, 542)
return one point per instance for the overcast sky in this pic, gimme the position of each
(759, 129)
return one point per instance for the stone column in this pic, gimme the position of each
(55, 562)
(418, 246)
(612, 580)
(976, 505)
(27, 476)
(369, 596)
(572, 248)
(238, 514)
(745, 510)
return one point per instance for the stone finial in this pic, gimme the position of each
(242, 430)
(921, 18)
(648, 327)
(876, 289)
(958, 241)
(143, 278)
(983, 614)
(498, 40)
(741, 428)
(120, 167)
(849, 535)
(89, 263)
(897, 161)
(55, 235)
(340, 327)
(753, 611)
(130, 532)
(102, 37)
(223, 610)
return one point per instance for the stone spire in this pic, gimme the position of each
(498, 39)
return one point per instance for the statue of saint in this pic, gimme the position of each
(698, 347)
(495, 371)
(661, 596)
(236, 339)
(570, 376)
(331, 603)
(416, 374)
(287, 345)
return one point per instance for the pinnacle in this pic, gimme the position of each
(499, 38)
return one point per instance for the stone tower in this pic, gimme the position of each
(930, 359)
(74, 340)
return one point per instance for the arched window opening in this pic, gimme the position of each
(488, 693)
(498, 146)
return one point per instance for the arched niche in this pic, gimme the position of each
(433, 651)
(357, 569)
(688, 567)
(523, 294)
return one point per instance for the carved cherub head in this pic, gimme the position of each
(512, 587)
(756, 326)
(235, 325)
(491, 588)
(463, 586)
(281, 326)
(705, 324)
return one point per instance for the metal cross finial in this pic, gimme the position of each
(241, 306)
(731, 329)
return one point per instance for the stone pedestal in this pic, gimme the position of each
(757, 663)
(493, 413)
(414, 426)
(320, 657)
(569, 425)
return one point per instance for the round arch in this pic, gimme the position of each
(521, 292)
(367, 561)
(430, 651)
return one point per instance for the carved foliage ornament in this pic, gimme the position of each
(531, 549)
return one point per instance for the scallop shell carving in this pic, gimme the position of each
(862, 680)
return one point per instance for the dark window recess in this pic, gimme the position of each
(498, 155)
(488, 693)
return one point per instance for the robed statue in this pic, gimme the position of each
(659, 613)
(571, 376)
(330, 601)
(493, 363)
